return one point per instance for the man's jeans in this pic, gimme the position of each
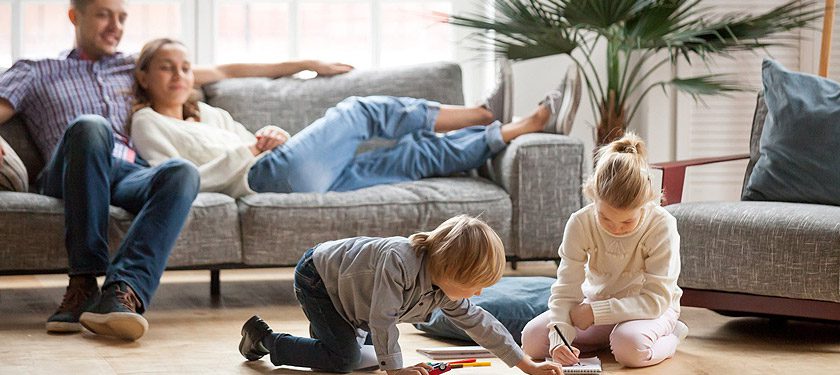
(83, 173)
(322, 157)
(333, 346)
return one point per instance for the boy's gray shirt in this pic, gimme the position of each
(376, 283)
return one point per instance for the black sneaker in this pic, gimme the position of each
(116, 314)
(253, 332)
(81, 294)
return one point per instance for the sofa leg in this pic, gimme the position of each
(513, 265)
(215, 284)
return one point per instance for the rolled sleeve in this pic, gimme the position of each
(385, 304)
(16, 83)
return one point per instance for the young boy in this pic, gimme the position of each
(358, 286)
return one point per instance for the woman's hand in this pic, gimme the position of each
(543, 368)
(418, 369)
(564, 356)
(329, 69)
(582, 316)
(270, 137)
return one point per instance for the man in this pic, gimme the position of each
(91, 165)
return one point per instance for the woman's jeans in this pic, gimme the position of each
(322, 157)
(333, 346)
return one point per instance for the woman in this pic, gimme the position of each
(167, 123)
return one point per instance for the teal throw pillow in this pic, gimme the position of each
(514, 301)
(798, 152)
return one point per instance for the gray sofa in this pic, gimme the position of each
(526, 193)
(756, 258)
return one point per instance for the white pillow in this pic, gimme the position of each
(13, 176)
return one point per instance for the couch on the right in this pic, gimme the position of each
(777, 251)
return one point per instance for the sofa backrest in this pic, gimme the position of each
(293, 103)
(755, 136)
(15, 133)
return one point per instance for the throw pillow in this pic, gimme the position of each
(13, 176)
(798, 149)
(514, 301)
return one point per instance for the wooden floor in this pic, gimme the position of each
(190, 333)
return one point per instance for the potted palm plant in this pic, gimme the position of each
(634, 33)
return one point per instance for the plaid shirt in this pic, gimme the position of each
(50, 93)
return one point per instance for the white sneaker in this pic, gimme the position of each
(500, 99)
(681, 330)
(562, 103)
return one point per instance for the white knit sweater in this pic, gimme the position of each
(627, 277)
(218, 146)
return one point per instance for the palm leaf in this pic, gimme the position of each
(522, 30)
(711, 84)
(736, 32)
(600, 14)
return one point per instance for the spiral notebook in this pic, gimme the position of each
(586, 366)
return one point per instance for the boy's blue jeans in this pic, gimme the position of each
(333, 346)
(322, 157)
(88, 178)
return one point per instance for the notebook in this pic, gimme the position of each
(586, 366)
(455, 352)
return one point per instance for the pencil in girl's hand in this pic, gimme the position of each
(564, 340)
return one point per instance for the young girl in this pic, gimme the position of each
(362, 286)
(617, 281)
(434, 139)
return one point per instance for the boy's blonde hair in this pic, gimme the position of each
(464, 250)
(621, 177)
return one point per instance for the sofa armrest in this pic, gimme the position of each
(543, 175)
(673, 174)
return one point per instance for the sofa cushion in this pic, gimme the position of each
(15, 132)
(13, 176)
(278, 228)
(211, 235)
(765, 248)
(32, 232)
(798, 151)
(293, 103)
(514, 301)
(32, 229)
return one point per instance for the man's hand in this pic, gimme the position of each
(562, 355)
(582, 316)
(543, 368)
(2, 153)
(418, 369)
(270, 137)
(329, 69)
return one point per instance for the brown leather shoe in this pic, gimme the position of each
(116, 314)
(81, 294)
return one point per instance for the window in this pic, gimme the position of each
(5, 35)
(363, 33)
(257, 30)
(46, 30)
(413, 31)
(149, 20)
